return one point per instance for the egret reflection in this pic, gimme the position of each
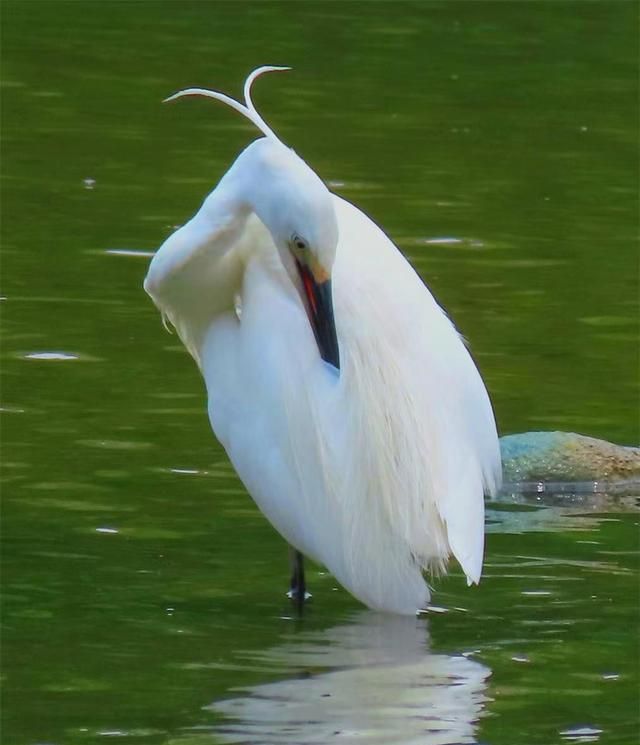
(373, 680)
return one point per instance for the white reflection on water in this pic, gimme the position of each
(372, 680)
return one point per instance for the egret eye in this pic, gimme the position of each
(299, 243)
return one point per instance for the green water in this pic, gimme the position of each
(143, 592)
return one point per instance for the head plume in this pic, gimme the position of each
(247, 108)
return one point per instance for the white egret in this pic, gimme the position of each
(341, 392)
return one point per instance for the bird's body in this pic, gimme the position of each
(376, 469)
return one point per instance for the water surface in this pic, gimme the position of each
(496, 143)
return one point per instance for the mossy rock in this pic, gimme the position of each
(567, 457)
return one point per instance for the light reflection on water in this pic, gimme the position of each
(554, 513)
(371, 681)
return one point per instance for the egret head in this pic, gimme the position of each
(293, 203)
(295, 206)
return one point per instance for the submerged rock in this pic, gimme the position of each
(561, 457)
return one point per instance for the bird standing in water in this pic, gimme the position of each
(343, 395)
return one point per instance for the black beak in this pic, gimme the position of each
(319, 304)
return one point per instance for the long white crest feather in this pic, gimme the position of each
(247, 108)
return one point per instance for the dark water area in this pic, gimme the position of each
(143, 593)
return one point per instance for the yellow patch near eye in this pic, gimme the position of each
(306, 257)
(320, 274)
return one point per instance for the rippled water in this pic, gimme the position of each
(143, 592)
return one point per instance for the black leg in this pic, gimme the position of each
(298, 589)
